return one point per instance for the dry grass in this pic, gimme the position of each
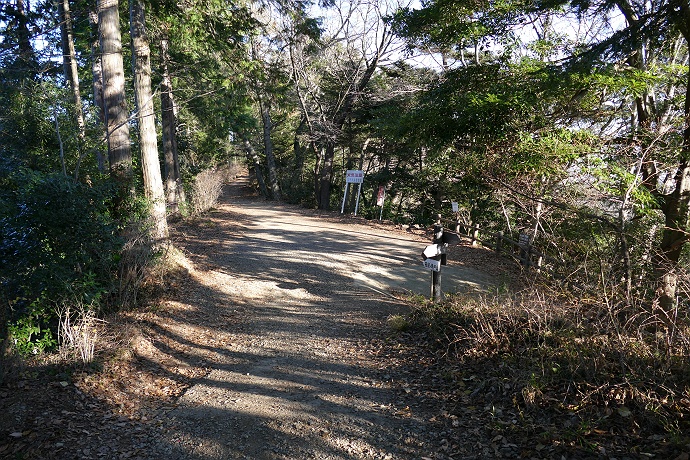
(565, 355)
(233, 170)
(78, 332)
(207, 188)
(135, 259)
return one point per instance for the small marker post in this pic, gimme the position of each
(434, 256)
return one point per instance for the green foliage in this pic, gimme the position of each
(31, 334)
(451, 24)
(26, 126)
(208, 46)
(550, 152)
(517, 127)
(58, 241)
(616, 180)
(485, 112)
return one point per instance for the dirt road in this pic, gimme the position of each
(273, 344)
(294, 374)
(271, 341)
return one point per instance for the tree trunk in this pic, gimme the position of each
(115, 103)
(254, 160)
(268, 149)
(319, 154)
(676, 206)
(326, 176)
(69, 62)
(27, 58)
(298, 151)
(675, 234)
(150, 164)
(324, 187)
(173, 181)
(97, 79)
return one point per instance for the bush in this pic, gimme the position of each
(206, 189)
(57, 242)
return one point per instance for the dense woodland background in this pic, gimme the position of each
(567, 121)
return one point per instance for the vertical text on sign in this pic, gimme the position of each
(380, 196)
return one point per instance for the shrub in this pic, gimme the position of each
(206, 189)
(57, 241)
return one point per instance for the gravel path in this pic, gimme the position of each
(271, 341)
(293, 374)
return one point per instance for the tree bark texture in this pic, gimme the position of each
(150, 164)
(173, 181)
(115, 103)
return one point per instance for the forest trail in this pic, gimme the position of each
(288, 314)
(280, 241)
(272, 341)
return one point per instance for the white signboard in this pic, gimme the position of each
(354, 176)
(433, 250)
(433, 265)
(454, 204)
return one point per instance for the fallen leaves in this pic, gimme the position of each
(624, 411)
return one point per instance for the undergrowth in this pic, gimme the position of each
(563, 355)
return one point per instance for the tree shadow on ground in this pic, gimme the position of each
(207, 380)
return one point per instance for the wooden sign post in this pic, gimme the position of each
(434, 256)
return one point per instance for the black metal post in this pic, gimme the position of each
(436, 294)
